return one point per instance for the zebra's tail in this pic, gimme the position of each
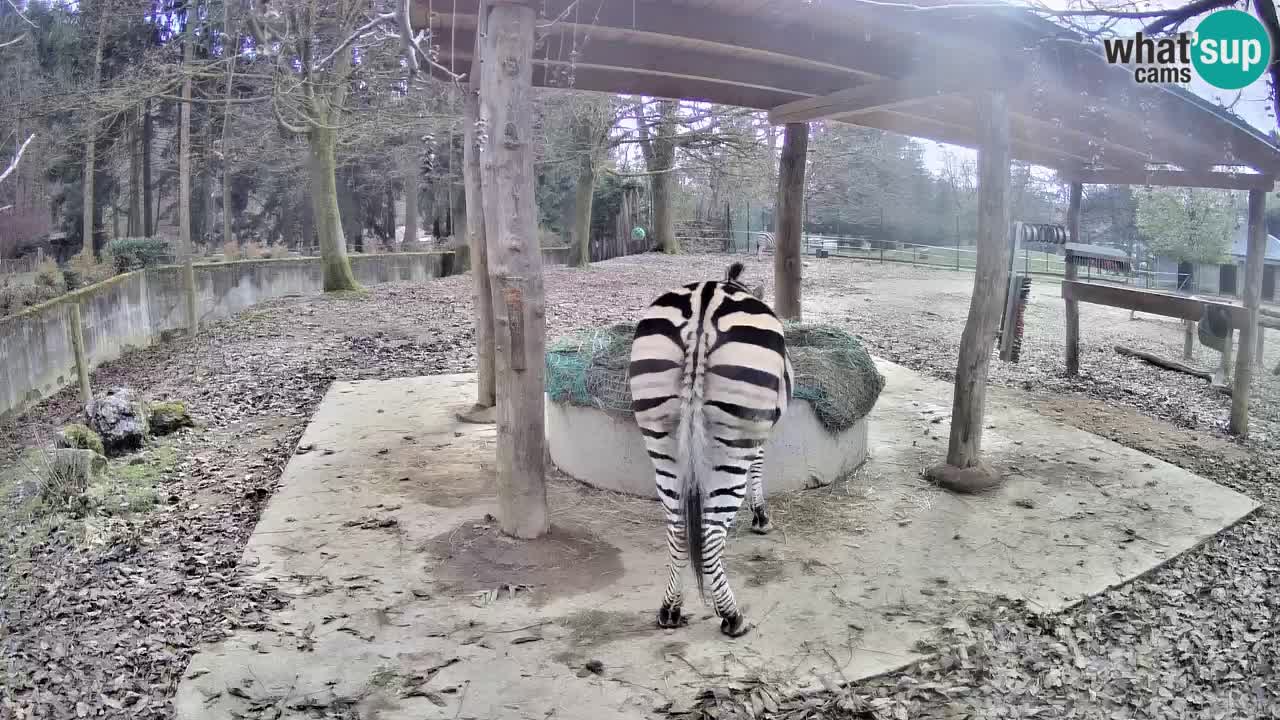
(691, 462)
(691, 450)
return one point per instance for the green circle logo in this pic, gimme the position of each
(1232, 49)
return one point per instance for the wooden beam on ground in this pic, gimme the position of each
(789, 224)
(1072, 307)
(1146, 301)
(991, 278)
(1254, 261)
(1178, 178)
(1165, 362)
(515, 267)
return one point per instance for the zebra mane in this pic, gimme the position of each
(734, 272)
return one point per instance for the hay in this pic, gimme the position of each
(832, 371)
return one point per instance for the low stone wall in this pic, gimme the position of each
(132, 310)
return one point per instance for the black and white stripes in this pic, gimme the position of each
(710, 378)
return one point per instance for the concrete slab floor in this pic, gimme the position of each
(407, 603)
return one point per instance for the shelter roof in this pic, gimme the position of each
(1240, 244)
(910, 68)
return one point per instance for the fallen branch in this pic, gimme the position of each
(1165, 363)
(17, 158)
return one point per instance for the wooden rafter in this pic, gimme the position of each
(1177, 178)
(879, 95)
(765, 55)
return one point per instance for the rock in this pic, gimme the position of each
(168, 417)
(79, 436)
(120, 419)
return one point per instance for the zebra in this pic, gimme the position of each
(710, 377)
(764, 239)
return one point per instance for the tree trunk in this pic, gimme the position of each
(226, 126)
(135, 223)
(91, 146)
(789, 224)
(659, 150)
(1250, 334)
(324, 210)
(486, 392)
(664, 225)
(1069, 273)
(148, 224)
(515, 267)
(410, 196)
(583, 195)
(184, 186)
(964, 453)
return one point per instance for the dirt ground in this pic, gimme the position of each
(105, 629)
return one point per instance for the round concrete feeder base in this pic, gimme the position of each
(606, 450)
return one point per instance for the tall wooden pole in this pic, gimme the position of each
(515, 266)
(184, 182)
(1250, 333)
(964, 470)
(1069, 273)
(789, 224)
(82, 359)
(486, 392)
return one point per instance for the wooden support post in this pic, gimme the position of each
(184, 200)
(515, 266)
(82, 360)
(1257, 354)
(1250, 334)
(1188, 339)
(788, 226)
(964, 470)
(1222, 375)
(1069, 273)
(486, 389)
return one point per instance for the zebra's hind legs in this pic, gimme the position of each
(760, 522)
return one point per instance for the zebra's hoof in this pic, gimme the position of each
(734, 625)
(671, 618)
(761, 524)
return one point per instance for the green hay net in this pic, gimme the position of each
(833, 371)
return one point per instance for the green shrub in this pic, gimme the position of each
(84, 271)
(14, 298)
(80, 437)
(48, 276)
(135, 253)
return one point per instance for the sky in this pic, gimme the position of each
(1253, 105)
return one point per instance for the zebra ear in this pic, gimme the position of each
(758, 291)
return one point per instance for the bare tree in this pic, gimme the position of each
(311, 90)
(1096, 20)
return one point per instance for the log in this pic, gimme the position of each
(1073, 307)
(789, 226)
(990, 281)
(515, 267)
(1252, 298)
(1165, 363)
